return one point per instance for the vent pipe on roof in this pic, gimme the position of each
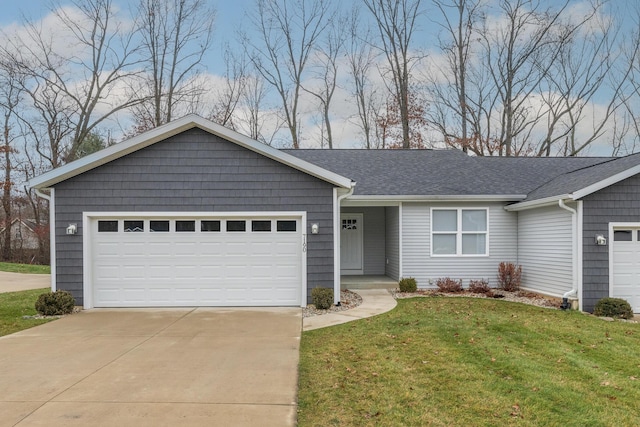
(573, 293)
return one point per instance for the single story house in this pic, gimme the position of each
(194, 214)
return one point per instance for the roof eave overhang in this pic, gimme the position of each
(175, 127)
(539, 203)
(362, 200)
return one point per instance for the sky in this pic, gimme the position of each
(230, 18)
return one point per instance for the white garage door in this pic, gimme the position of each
(160, 262)
(626, 266)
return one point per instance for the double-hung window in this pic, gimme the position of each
(459, 232)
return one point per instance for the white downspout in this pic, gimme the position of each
(52, 233)
(336, 244)
(574, 249)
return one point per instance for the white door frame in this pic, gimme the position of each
(87, 217)
(359, 216)
(613, 226)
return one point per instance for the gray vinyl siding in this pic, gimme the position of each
(194, 171)
(545, 250)
(416, 242)
(617, 203)
(392, 242)
(373, 238)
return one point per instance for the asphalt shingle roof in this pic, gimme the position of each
(453, 173)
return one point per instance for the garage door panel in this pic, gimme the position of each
(193, 268)
(626, 269)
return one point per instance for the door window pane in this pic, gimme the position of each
(261, 225)
(107, 226)
(159, 226)
(622, 236)
(286, 226)
(236, 226)
(135, 226)
(185, 226)
(209, 225)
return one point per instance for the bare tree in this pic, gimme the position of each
(360, 58)
(228, 95)
(288, 32)
(10, 98)
(396, 21)
(325, 70)
(81, 76)
(451, 111)
(176, 34)
(588, 66)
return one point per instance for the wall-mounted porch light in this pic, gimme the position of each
(315, 228)
(601, 240)
(72, 229)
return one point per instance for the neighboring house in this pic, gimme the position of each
(23, 234)
(194, 214)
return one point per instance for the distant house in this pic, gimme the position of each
(194, 214)
(23, 234)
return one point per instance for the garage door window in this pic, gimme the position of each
(210, 226)
(623, 235)
(159, 226)
(286, 226)
(261, 225)
(185, 226)
(136, 226)
(108, 226)
(234, 226)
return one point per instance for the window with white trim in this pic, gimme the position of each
(459, 232)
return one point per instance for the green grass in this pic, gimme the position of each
(463, 361)
(25, 268)
(14, 305)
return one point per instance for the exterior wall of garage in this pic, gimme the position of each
(194, 171)
(618, 203)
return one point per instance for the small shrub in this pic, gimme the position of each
(322, 298)
(613, 307)
(55, 303)
(408, 284)
(479, 286)
(446, 284)
(509, 276)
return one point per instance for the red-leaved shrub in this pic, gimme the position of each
(479, 286)
(509, 276)
(446, 284)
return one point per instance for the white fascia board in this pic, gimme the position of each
(579, 194)
(532, 204)
(173, 128)
(384, 200)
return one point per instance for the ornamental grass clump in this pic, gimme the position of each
(322, 298)
(408, 284)
(617, 308)
(55, 303)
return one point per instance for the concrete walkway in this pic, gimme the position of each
(374, 302)
(15, 282)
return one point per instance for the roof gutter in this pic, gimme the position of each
(573, 293)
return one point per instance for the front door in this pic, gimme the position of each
(351, 232)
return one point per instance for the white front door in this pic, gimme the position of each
(351, 232)
(626, 266)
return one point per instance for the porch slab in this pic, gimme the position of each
(367, 282)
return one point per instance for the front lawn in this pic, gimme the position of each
(463, 361)
(25, 268)
(14, 305)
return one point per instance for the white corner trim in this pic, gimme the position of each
(579, 194)
(400, 232)
(580, 232)
(173, 128)
(52, 233)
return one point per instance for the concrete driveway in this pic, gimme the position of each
(154, 367)
(14, 282)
